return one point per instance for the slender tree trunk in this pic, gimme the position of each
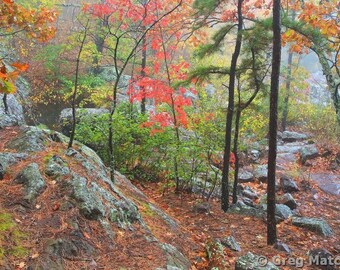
(74, 95)
(286, 100)
(235, 150)
(232, 77)
(143, 107)
(274, 92)
(288, 86)
(4, 99)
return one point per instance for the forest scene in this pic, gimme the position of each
(169, 134)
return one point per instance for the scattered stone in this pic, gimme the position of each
(282, 212)
(291, 136)
(56, 167)
(203, 207)
(322, 258)
(261, 173)
(287, 199)
(248, 201)
(231, 243)
(318, 225)
(288, 184)
(251, 261)
(254, 155)
(31, 178)
(245, 176)
(249, 193)
(308, 152)
(282, 247)
(246, 210)
(290, 148)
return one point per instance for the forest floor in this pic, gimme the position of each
(250, 232)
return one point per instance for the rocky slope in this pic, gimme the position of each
(69, 215)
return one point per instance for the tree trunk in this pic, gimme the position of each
(235, 150)
(4, 99)
(143, 108)
(274, 92)
(74, 95)
(288, 84)
(232, 77)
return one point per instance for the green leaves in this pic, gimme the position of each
(206, 6)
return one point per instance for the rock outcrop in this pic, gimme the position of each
(67, 199)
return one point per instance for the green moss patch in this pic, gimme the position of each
(11, 237)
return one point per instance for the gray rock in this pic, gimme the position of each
(65, 118)
(254, 155)
(261, 173)
(253, 262)
(291, 136)
(31, 178)
(250, 194)
(322, 258)
(283, 212)
(318, 225)
(329, 183)
(291, 148)
(282, 247)
(288, 184)
(231, 243)
(30, 139)
(308, 152)
(56, 167)
(175, 259)
(15, 115)
(245, 176)
(287, 199)
(89, 204)
(8, 159)
(243, 209)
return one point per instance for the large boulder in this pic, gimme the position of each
(318, 225)
(74, 196)
(323, 259)
(15, 115)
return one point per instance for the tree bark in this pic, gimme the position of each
(274, 92)
(231, 90)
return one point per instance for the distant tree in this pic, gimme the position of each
(316, 28)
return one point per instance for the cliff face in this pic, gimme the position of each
(69, 213)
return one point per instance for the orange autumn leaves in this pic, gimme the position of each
(15, 19)
(320, 18)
